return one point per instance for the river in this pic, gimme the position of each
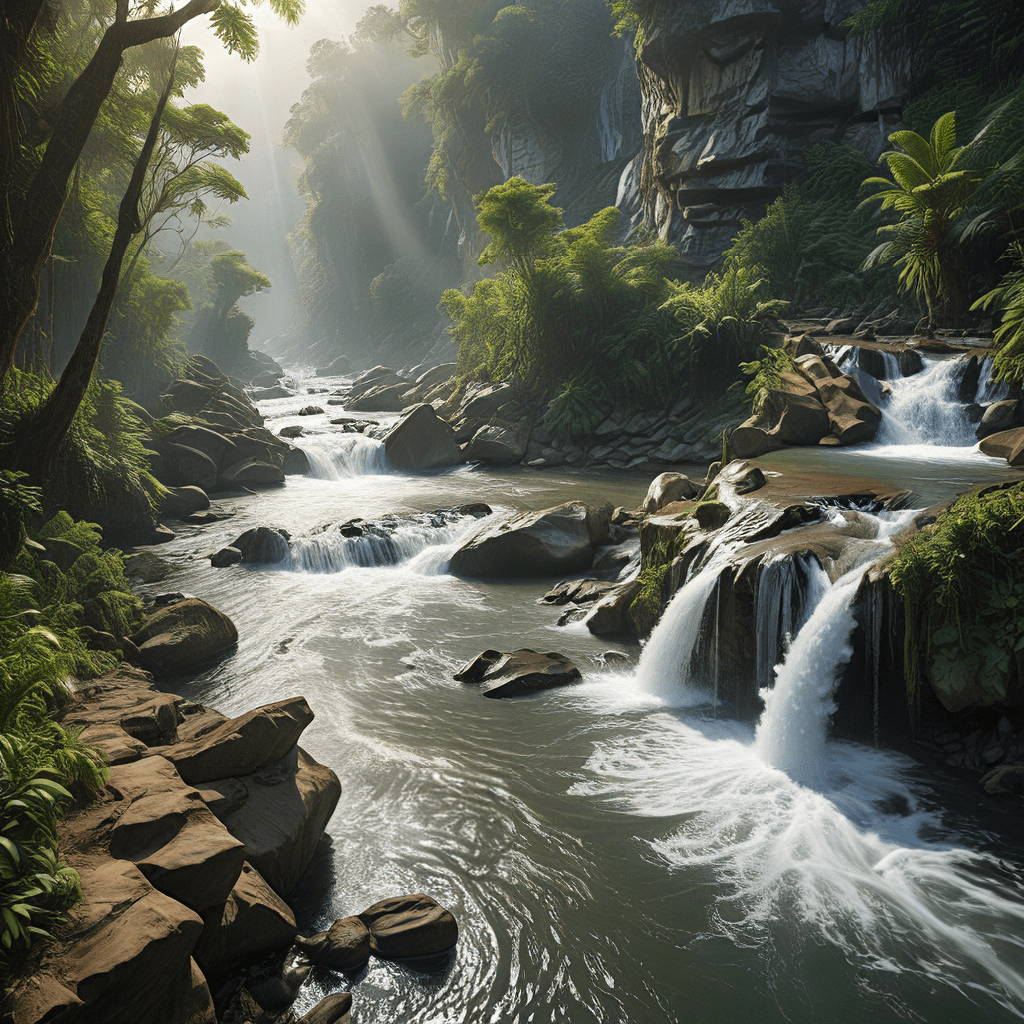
(612, 851)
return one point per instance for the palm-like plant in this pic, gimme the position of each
(929, 189)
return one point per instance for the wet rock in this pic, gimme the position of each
(1006, 780)
(330, 1010)
(386, 398)
(404, 926)
(610, 615)
(522, 671)
(296, 430)
(253, 472)
(262, 545)
(420, 440)
(266, 379)
(336, 368)
(345, 946)
(182, 636)
(476, 509)
(310, 410)
(225, 557)
(998, 417)
(242, 745)
(552, 542)
(279, 992)
(741, 477)
(189, 467)
(296, 462)
(145, 567)
(271, 393)
(712, 515)
(669, 487)
(852, 418)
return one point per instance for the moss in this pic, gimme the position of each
(962, 584)
(646, 607)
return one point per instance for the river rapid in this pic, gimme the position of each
(612, 851)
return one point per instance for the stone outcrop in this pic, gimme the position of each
(172, 875)
(733, 95)
(211, 435)
(553, 542)
(813, 401)
(345, 946)
(180, 636)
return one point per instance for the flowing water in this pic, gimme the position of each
(612, 851)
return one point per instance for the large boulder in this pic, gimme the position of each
(250, 923)
(281, 814)
(189, 467)
(415, 925)
(252, 472)
(240, 746)
(498, 444)
(999, 416)
(384, 398)
(1004, 444)
(183, 635)
(668, 487)
(183, 501)
(852, 418)
(554, 542)
(262, 545)
(522, 671)
(420, 440)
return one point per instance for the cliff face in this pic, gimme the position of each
(734, 93)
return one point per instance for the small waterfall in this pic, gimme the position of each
(794, 726)
(786, 588)
(926, 409)
(335, 456)
(426, 543)
(665, 664)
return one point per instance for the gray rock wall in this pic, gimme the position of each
(734, 93)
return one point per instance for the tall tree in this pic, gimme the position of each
(25, 247)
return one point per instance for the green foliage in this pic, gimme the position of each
(812, 240)
(929, 191)
(766, 375)
(1008, 301)
(35, 888)
(962, 583)
(101, 472)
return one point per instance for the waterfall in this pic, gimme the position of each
(424, 543)
(335, 456)
(926, 409)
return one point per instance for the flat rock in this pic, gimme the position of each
(522, 671)
(330, 1010)
(284, 815)
(415, 925)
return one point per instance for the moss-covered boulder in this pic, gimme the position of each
(183, 635)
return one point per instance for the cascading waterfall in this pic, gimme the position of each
(926, 408)
(424, 544)
(336, 456)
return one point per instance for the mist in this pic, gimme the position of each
(258, 96)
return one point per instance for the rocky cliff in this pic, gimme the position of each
(734, 93)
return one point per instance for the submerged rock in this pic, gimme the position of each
(522, 671)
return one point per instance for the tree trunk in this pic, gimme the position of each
(21, 262)
(54, 417)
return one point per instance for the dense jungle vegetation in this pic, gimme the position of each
(105, 178)
(405, 132)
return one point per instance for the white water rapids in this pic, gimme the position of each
(612, 851)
